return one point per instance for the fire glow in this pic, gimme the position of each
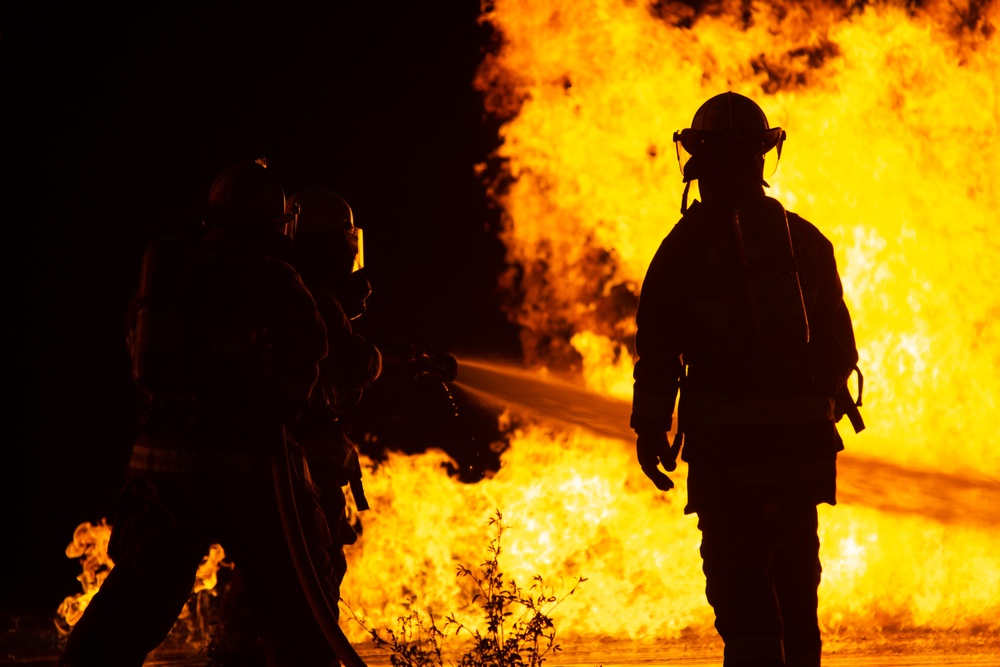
(90, 547)
(892, 114)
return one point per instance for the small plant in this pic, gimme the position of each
(518, 627)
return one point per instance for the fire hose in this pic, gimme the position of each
(283, 471)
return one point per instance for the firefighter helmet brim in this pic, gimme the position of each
(727, 126)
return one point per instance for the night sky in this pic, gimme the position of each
(115, 125)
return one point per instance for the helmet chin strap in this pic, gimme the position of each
(687, 189)
(684, 198)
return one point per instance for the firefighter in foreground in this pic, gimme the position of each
(327, 252)
(226, 343)
(742, 311)
(330, 256)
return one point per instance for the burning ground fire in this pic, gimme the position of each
(90, 546)
(892, 112)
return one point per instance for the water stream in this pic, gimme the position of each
(862, 480)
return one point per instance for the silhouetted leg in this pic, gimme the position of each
(290, 634)
(796, 573)
(155, 564)
(236, 638)
(334, 505)
(735, 554)
(327, 474)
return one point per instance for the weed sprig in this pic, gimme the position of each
(517, 631)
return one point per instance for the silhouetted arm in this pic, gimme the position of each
(658, 347)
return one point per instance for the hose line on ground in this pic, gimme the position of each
(283, 472)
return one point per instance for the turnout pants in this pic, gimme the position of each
(236, 639)
(162, 531)
(762, 568)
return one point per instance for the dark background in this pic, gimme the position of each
(117, 119)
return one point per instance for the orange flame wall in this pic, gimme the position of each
(892, 119)
(892, 116)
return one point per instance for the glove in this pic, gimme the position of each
(441, 366)
(653, 449)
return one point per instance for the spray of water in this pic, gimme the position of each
(865, 481)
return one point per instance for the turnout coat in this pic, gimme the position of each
(755, 426)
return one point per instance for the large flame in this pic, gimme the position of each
(892, 115)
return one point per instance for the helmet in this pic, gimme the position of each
(324, 231)
(727, 126)
(245, 196)
(328, 246)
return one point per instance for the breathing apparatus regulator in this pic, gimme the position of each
(728, 132)
(329, 247)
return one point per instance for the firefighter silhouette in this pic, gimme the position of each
(226, 343)
(413, 405)
(328, 253)
(742, 312)
(327, 250)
